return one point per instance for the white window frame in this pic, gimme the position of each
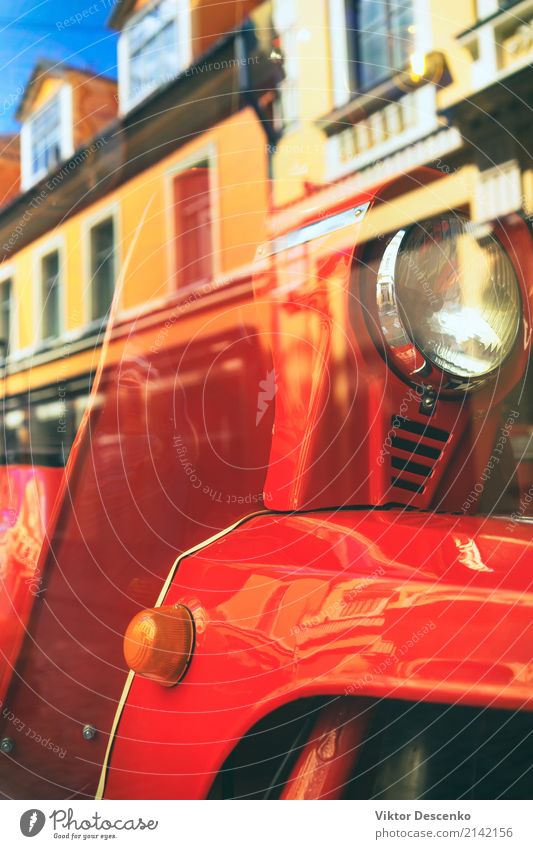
(285, 19)
(57, 243)
(206, 153)
(8, 272)
(182, 20)
(109, 211)
(65, 96)
(340, 68)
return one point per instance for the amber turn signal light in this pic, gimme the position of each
(159, 642)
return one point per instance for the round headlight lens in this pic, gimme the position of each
(452, 291)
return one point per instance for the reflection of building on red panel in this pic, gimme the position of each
(193, 226)
(89, 175)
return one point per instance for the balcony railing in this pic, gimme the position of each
(501, 42)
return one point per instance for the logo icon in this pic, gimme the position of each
(267, 389)
(32, 822)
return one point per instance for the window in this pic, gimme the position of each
(50, 296)
(47, 138)
(193, 226)
(102, 268)
(380, 39)
(152, 49)
(6, 315)
(39, 428)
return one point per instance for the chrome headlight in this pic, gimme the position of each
(448, 299)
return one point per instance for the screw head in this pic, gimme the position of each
(7, 744)
(428, 402)
(89, 732)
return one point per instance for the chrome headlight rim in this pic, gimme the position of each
(401, 352)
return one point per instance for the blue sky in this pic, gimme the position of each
(39, 29)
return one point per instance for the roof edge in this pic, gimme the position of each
(119, 14)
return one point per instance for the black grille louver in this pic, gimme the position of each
(416, 446)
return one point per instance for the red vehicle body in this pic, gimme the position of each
(359, 631)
